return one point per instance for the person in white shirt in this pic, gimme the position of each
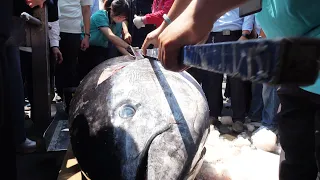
(72, 14)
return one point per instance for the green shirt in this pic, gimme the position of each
(101, 19)
(287, 18)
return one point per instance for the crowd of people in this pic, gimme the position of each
(84, 33)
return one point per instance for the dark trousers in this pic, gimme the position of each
(227, 92)
(26, 69)
(90, 58)
(7, 151)
(66, 73)
(212, 84)
(298, 120)
(15, 92)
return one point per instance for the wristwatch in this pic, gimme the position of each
(87, 34)
(246, 35)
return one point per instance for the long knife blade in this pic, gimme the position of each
(274, 61)
(136, 52)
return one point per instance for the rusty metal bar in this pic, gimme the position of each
(30, 19)
(41, 71)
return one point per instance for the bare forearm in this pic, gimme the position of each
(86, 18)
(125, 27)
(176, 9)
(118, 41)
(122, 50)
(262, 34)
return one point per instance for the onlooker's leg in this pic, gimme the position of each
(212, 87)
(238, 104)
(7, 154)
(297, 135)
(16, 103)
(255, 112)
(271, 105)
(227, 92)
(26, 58)
(15, 87)
(66, 72)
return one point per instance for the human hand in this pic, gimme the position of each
(138, 21)
(34, 3)
(179, 33)
(152, 38)
(127, 37)
(84, 43)
(242, 38)
(190, 28)
(57, 55)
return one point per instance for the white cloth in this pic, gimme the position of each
(71, 15)
(138, 22)
(54, 33)
(232, 21)
(101, 5)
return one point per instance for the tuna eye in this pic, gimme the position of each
(127, 111)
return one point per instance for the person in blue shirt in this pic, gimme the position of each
(95, 7)
(229, 27)
(105, 28)
(300, 106)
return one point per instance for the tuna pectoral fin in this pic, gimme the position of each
(194, 172)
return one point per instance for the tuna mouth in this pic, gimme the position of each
(143, 162)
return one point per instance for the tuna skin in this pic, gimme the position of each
(135, 120)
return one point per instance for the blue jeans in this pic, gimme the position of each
(15, 93)
(256, 106)
(271, 104)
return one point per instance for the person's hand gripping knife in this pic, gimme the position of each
(138, 21)
(191, 27)
(176, 9)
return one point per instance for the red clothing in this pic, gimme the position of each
(159, 7)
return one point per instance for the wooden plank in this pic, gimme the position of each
(70, 169)
(41, 72)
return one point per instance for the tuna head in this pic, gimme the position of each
(135, 120)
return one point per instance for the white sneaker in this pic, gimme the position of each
(264, 139)
(28, 146)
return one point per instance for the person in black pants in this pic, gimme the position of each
(7, 154)
(55, 54)
(299, 122)
(73, 13)
(230, 27)
(7, 52)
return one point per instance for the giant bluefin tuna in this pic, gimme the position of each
(132, 119)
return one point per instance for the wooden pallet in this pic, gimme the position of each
(70, 169)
